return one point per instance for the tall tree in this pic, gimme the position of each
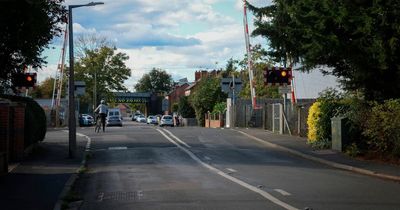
(207, 93)
(26, 28)
(358, 41)
(156, 81)
(105, 67)
(90, 42)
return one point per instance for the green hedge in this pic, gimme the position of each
(382, 128)
(35, 119)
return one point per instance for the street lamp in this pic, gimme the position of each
(71, 94)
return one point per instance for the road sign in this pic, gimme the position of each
(285, 89)
(80, 88)
(228, 85)
(165, 104)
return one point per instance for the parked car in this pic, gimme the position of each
(152, 120)
(114, 120)
(86, 120)
(134, 116)
(167, 120)
(141, 118)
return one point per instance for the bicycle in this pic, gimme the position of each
(98, 124)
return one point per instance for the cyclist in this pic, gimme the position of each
(102, 109)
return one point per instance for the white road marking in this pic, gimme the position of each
(282, 192)
(117, 148)
(100, 197)
(231, 170)
(207, 158)
(231, 178)
(12, 167)
(176, 138)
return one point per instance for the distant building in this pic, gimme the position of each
(124, 109)
(205, 74)
(176, 93)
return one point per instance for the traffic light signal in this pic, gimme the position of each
(24, 79)
(280, 76)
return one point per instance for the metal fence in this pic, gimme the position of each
(270, 118)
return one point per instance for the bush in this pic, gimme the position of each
(219, 108)
(314, 115)
(185, 108)
(319, 118)
(35, 119)
(382, 128)
(206, 94)
(174, 107)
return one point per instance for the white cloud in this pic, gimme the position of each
(179, 36)
(78, 28)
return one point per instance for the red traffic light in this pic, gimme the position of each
(24, 79)
(29, 78)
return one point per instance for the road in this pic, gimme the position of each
(141, 166)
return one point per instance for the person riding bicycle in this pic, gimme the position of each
(102, 109)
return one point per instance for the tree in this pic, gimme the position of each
(107, 68)
(45, 88)
(260, 63)
(207, 93)
(90, 42)
(185, 108)
(157, 81)
(26, 28)
(357, 41)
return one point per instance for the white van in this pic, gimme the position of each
(114, 112)
(114, 117)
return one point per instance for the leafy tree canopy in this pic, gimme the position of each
(104, 66)
(260, 62)
(207, 93)
(157, 81)
(45, 88)
(359, 41)
(185, 108)
(26, 28)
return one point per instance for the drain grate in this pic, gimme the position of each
(119, 196)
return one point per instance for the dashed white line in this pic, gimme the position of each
(117, 148)
(231, 170)
(231, 178)
(282, 192)
(207, 158)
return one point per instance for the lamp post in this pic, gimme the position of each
(71, 90)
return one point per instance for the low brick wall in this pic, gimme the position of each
(214, 121)
(12, 133)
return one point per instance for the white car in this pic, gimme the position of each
(167, 120)
(152, 120)
(141, 118)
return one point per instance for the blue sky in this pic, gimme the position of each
(179, 36)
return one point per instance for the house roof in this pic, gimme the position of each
(191, 86)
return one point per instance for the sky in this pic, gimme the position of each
(179, 36)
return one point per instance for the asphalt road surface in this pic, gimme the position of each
(142, 166)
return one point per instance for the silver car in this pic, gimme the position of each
(167, 120)
(114, 120)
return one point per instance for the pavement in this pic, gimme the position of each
(38, 181)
